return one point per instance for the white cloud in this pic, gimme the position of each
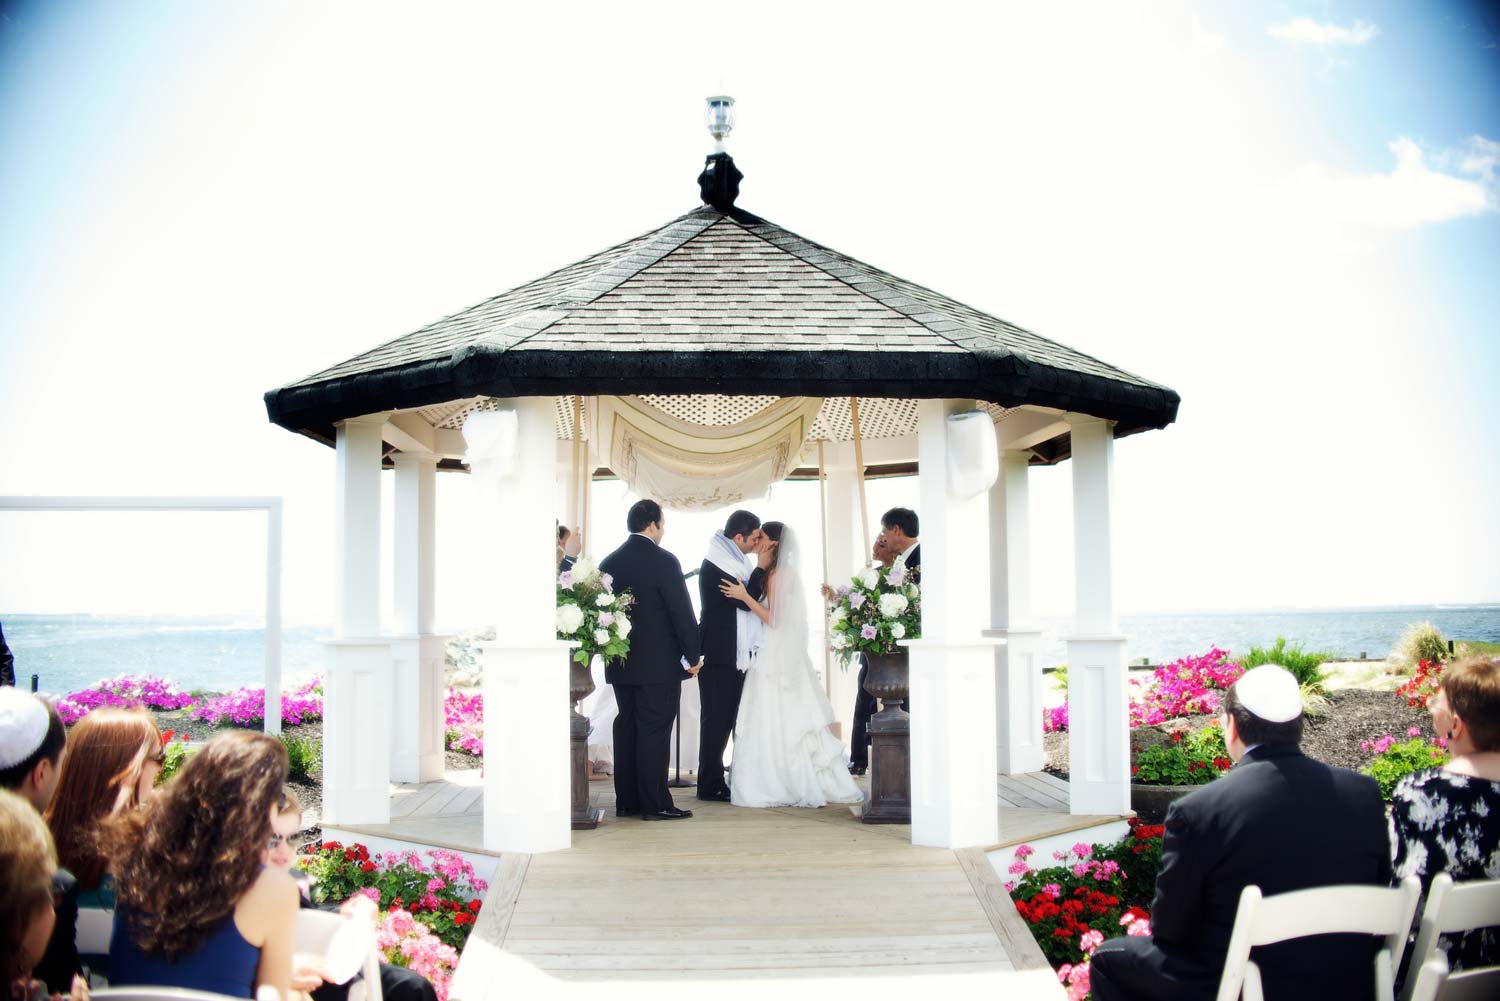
(1457, 183)
(1306, 31)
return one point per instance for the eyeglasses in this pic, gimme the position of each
(159, 758)
(277, 840)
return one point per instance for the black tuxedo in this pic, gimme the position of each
(720, 683)
(1281, 821)
(648, 682)
(864, 702)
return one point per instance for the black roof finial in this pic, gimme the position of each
(720, 181)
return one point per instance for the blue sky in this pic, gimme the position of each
(1288, 212)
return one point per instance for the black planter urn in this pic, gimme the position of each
(580, 685)
(889, 680)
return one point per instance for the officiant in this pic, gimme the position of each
(730, 634)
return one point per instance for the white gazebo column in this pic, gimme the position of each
(416, 735)
(845, 557)
(357, 689)
(953, 787)
(1018, 669)
(1098, 704)
(527, 791)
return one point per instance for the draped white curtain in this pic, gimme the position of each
(686, 466)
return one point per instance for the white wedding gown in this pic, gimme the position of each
(784, 753)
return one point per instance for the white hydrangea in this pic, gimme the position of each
(898, 630)
(605, 600)
(584, 568)
(601, 636)
(622, 625)
(892, 605)
(870, 578)
(569, 618)
(839, 641)
(840, 614)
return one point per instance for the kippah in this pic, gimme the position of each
(1270, 692)
(23, 725)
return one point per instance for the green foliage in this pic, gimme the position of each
(442, 894)
(1195, 759)
(304, 758)
(1303, 664)
(879, 607)
(1420, 642)
(1475, 647)
(174, 754)
(590, 613)
(1396, 761)
(1060, 678)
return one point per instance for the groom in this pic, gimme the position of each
(648, 683)
(725, 643)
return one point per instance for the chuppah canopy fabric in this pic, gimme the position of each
(721, 302)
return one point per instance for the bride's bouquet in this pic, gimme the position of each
(592, 614)
(879, 606)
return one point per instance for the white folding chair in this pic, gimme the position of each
(316, 929)
(1451, 907)
(1325, 910)
(91, 935)
(147, 993)
(1434, 982)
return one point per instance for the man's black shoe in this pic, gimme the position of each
(627, 813)
(718, 796)
(856, 769)
(671, 813)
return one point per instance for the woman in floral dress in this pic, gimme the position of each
(1448, 819)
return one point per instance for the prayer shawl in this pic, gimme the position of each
(748, 629)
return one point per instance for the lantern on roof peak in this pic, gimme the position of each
(719, 117)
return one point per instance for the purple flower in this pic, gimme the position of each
(609, 582)
(856, 600)
(565, 579)
(867, 631)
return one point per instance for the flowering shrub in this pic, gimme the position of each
(1394, 761)
(174, 753)
(123, 692)
(463, 721)
(589, 611)
(878, 606)
(1189, 760)
(1092, 892)
(443, 892)
(1186, 687)
(247, 706)
(1423, 684)
(405, 941)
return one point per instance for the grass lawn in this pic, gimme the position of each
(1475, 646)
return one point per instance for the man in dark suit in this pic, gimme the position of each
(897, 541)
(1278, 820)
(648, 682)
(721, 683)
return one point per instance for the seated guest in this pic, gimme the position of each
(308, 973)
(114, 756)
(1278, 820)
(1448, 819)
(197, 906)
(32, 739)
(26, 917)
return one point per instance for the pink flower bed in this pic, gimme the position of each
(463, 721)
(1188, 687)
(247, 706)
(124, 692)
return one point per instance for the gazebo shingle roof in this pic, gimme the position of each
(720, 303)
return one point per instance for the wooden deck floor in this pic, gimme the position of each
(738, 896)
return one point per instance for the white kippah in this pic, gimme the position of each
(23, 725)
(1270, 692)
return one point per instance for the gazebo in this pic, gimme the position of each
(763, 355)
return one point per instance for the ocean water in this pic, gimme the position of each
(69, 652)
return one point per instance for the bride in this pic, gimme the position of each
(784, 754)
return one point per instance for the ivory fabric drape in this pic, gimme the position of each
(687, 466)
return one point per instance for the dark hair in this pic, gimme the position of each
(1254, 730)
(903, 518)
(773, 531)
(186, 858)
(562, 532)
(641, 514)
(1473, 689)
(741, 523)
(51, 749)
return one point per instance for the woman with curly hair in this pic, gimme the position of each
(197, 907)
(114, 756)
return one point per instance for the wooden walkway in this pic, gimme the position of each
(741, 896)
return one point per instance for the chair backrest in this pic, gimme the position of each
(1325, 910)
(1434, 983)
(91, 935)
(1452, 907)
(315, 932)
